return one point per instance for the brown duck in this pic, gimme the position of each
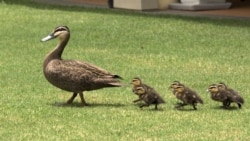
(187, 96)
(136, 82)
(174, 85)
(149, 96)
(219, 95)
(234, 97)
(145, 93)
(72, 75)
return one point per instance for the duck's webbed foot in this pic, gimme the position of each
(82, 99)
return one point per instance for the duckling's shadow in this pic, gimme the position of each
(114, 105)
(185, 109)
(90, 105)
(149, 108)
(229, 108)
(156, 110)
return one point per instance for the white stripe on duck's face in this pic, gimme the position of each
(57, 31)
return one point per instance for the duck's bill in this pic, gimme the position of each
(49, 37)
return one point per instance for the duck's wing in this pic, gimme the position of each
(82, 72)
(153, 94)
(235, 96)
(193, 96)
(88, 67)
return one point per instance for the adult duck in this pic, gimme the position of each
(72, 75)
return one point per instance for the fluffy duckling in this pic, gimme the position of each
(145, 93)
(234, 97)
(136, 82)
(149, 96)
(219, 95)
(174, 85)
(187, 96)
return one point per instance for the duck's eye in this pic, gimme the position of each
(60, 29)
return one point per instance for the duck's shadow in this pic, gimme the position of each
(90, 105)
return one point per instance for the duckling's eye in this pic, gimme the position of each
(135, 80)
(213, 88)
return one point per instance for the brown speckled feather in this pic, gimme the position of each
(187, 96)
(76, 76)
(146, 93)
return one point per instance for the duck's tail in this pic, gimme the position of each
(117, 77)
(199, 100)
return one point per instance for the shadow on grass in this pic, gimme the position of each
(186, 109)
(229, 109)
(199, 19)
(147, 108)
(92, 105)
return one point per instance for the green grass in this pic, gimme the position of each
(157, 48)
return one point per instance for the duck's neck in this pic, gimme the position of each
(57, 52)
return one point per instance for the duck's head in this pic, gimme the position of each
(222, 86)
(213, 88)
(174, 85)
(59, 31)
(136, 81)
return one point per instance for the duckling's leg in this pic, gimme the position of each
(72, 98)
(180, 105)
(239, 105)
(156, 106)
(137, 100)
(83, 100)
(144, 105)
(194, 106)
(226, 104)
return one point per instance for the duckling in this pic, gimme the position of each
(234, 97)
(136, 82)
(187, 96)
(149, 96)
(72, 75)
(174, 85)
(219, 95)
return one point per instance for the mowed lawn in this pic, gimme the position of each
(157, 48)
